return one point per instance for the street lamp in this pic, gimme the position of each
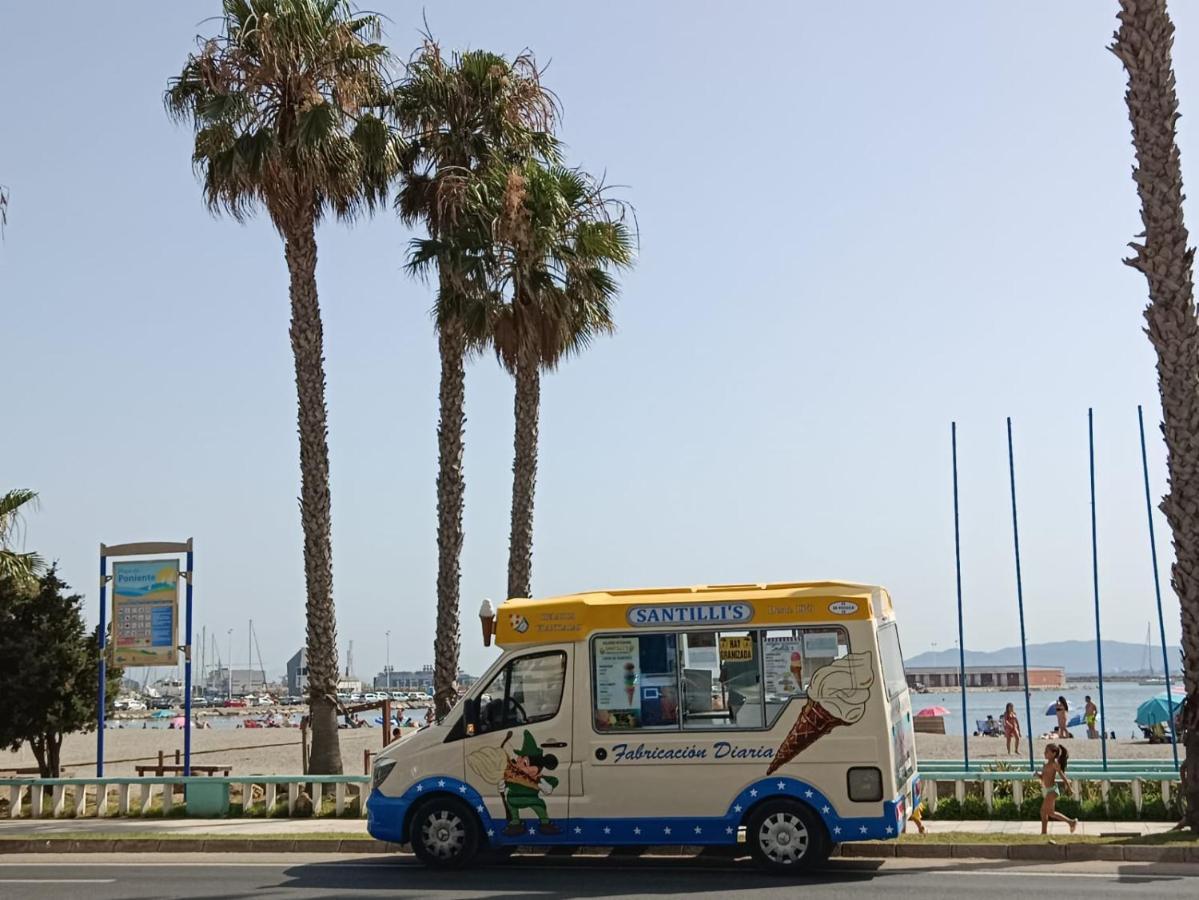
(229, 664)
(387, 664)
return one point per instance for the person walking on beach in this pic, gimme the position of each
(1054, 770)
(1062, 709)
(1090, 715)
(1011, 727)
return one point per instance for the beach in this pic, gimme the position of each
(276, 751)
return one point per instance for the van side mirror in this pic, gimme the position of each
(470, 715)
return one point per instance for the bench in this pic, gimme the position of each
(928, 724)
(160, 769)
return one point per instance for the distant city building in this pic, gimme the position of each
(349, 685)
(245, 681)
(999, 677)
(398, 680)
(297, 674)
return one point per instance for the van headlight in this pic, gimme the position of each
(865, 784)
(380, 772)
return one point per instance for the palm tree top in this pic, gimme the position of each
(281, 104)
(13, 564)
(558, 236)
(461, 113)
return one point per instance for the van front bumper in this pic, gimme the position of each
(386, 816)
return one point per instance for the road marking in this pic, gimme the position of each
(1110, 876)
(57, 880)
(393, 862)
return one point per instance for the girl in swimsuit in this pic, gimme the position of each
(1011, 727)
(1056, 759)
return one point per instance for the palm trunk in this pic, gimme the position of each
(527, 408)
(1143, 44)
(450, 490)
(307, 344)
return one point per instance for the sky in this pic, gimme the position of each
(859, 222)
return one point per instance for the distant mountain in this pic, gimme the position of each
(1077, 657)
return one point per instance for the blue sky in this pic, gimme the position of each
(859, 221)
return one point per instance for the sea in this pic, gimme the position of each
(1120, 702)
(225, 722)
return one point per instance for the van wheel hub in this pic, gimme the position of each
(783, 838)
(444, 834)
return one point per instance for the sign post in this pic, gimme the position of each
(145, 621)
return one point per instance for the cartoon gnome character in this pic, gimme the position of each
(522, 781)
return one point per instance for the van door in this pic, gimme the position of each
(519, 760)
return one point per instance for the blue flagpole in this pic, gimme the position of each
(1157, 588)
(187, 670)
(1011, 463)
(1095, 581)
(957, 561)
(100, 698)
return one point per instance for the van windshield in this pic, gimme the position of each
(892, 660)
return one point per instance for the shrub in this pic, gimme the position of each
(1030, 807)
(949, 808)
(974, 808)
(1005, 808)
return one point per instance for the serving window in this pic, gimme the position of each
(705, 680)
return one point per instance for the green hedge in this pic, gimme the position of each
(1120, 806)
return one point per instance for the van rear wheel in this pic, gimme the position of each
(445, 833)
(786, 836)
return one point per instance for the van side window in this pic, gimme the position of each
(635, 682)
(528, 689)
(790, 656)
(722, 679)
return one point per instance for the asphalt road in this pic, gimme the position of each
(196, 876)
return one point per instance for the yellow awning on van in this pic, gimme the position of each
(733, 606)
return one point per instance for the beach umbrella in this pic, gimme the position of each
(1156, 710)
(930, 711)
(1052, 710)
(161, 714)
(1075, 721)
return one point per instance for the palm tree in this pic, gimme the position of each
(280, 102)
(1143, 43)
(557, 237)
(23, 567)
(459, 115)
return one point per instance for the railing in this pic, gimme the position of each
(207, 796)
(1134, 773)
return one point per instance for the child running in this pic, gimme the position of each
(1011, 727)
(1056, 759)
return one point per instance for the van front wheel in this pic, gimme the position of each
(445, 833)
(786, 836)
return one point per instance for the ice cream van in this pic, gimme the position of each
(776, 716)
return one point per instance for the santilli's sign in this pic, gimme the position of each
(735, 613)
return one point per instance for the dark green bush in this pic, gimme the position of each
(974, 808)
(1005, 809)
(949, 808)
(1030, 807)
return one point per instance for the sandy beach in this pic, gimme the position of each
(276, 751)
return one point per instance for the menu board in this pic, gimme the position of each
(783, 658)
(616, 672)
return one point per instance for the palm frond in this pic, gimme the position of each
(282, 100)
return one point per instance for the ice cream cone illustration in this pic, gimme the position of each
(630, 681)
(797, 669)
(836, 696)
(487, 617)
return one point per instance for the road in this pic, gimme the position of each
(207, 877)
